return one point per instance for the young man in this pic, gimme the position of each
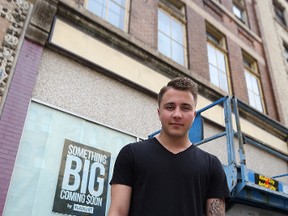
(167, 175)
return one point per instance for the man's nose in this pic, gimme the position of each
(177, 113)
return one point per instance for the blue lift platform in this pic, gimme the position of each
(246, 186)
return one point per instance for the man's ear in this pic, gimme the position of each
(194, 115)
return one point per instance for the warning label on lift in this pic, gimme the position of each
(266, 182)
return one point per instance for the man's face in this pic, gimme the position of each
(176, 112)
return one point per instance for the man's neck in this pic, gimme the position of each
(174, 144)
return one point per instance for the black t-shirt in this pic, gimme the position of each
(167, 184)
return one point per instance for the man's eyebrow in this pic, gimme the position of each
(182, 104)
(187, 104)
(169, 103)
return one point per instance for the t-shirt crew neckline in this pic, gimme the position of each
(156, 141)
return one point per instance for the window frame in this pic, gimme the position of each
(280, 13)
(217, 40)
(126, 13)
(285, 51)
(241, 7)
(251, 67)
(174, 12)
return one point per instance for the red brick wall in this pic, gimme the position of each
(251, 14)
(197, 44)
(270, 104)
(143, 21)
(237, 71)
(14, 112)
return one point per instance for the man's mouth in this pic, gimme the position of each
(176, 124)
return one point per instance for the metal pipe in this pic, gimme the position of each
(229, 131)
(211, 138)
(221, 100)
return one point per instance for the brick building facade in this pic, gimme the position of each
(70, 74)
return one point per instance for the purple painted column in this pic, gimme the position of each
(15, 111)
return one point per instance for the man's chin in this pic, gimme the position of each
(177, 134)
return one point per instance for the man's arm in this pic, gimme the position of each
(120, 200)
(215, 207)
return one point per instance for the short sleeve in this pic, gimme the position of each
(218, 183)
(124, 167)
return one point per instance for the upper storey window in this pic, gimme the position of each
(285, 52)
(279, 12)
(217, 58)
(171, 33)
(239, 11)
(113, 11)
(253, 82)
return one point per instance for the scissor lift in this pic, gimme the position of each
(246, 186)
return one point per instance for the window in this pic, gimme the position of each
(252, 82)
(279, 12)
(239, 11)
(38, 164)
(285, 51)
(171, 37)
(217, 58)
(113, 11)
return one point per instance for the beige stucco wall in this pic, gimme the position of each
(256, 159)
(265, 163)
(71, 86)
